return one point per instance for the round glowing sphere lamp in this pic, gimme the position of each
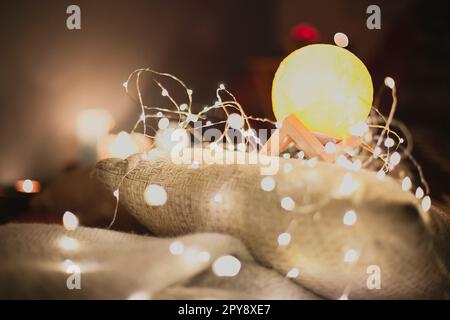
(326, 87)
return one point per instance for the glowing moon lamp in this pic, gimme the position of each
(326, 87)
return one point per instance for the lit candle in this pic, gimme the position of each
(92, 125)
(122, 145)
(28, 186)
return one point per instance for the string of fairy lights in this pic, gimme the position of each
(382, 150)
(387, 146)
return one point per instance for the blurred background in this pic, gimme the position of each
(50, 74)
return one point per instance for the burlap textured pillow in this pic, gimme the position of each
(391, 232)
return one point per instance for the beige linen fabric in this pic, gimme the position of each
(390, 232)
(117, 265)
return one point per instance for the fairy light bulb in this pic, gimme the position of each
(395, 158)
(217, 198)
(284, 239)
(341, 39)
(351, 255)
(155, 195)
(68, 243)
(287, 203)
(389, 143)
(163, 123)
(330, 147)
(203, 256)
(349, 218)
(70, 221)
(235, 121)
(419, 193)
(348, 185)
(176, 248)
(389, 82)
(426, 203)
(293, 273)
(406, 184)
(268, 184)
(226, 266)
(68, 265)
(326, 87)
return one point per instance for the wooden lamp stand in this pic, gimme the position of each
(311, 143)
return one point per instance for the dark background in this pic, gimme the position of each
(49, 73)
